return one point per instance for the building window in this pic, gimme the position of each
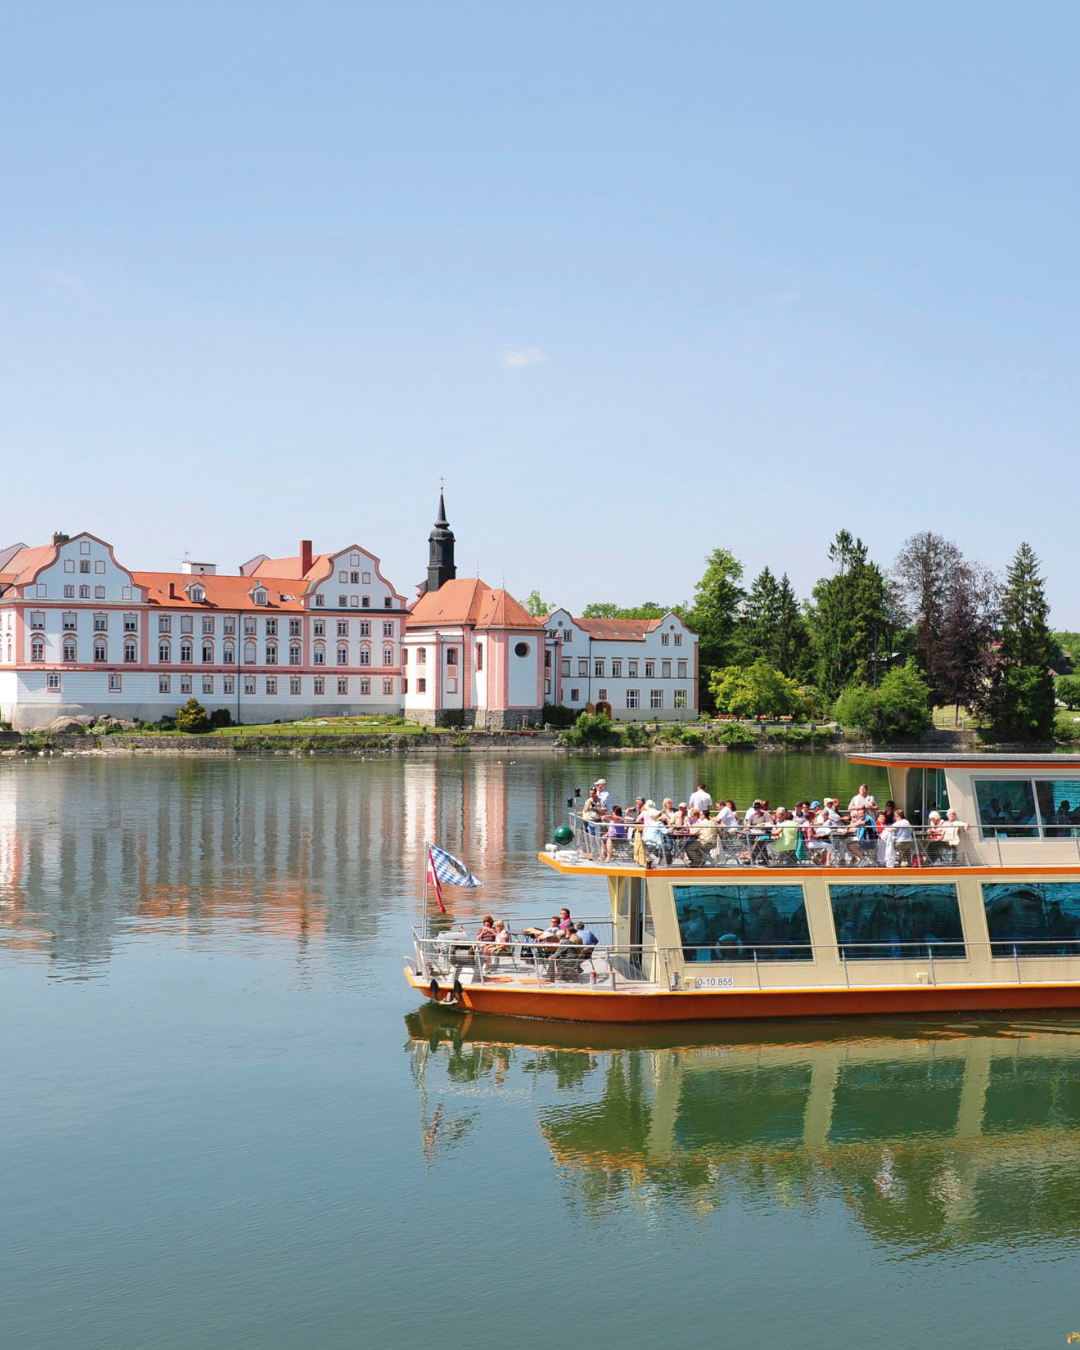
(388, 603)
(164, 623)
(568, 635)
(260, 597)
(633, 698)
(598, 668)
(249, 625)
(354, 578)
(566, 666)
(404, 686)
(271, 684)
(601, 694)
(101, 623)
(271, 628)
(70, 620)
(84, 592)
(547, 660)
(294, 684)
(101, 650)
(388, 656)
(99, 592)
(131, 623)
(343, 656)
(451, 685)
(53, 681)
(84, 545)
(388, 628)
(343, 602)
(421, 686)
(365, 602)
(228, 654)
(69, 649)
(69, 592)
(547, 686)
(185, 684)
(365, 686)
(678, 639)
(228, 684)
(228, 625)
(37, 650)
(404, 656)
(665, 639)
(84, 566)
(208, 623)
(656, 698)
(680, 698)
(69, 564)
(582, 668)
(271, 653)
(197, 594)
(187, 627)
(99, 566)
(365, 656)
(320, 601)
(388, 687)
(164, 654)
(575, 695)
(343, 686)
(294, 654)
(616, 670)
(41, 592)
(185, 653)
(208, 684)
(320, 684)
(631, 669)
(320, 628)
(343, 578)
(650, 670)
(320, 654)
(365, 578)
(681, 669)
(37, 618)
(343, 628)
(164, 684)
(479, 656)
(208, 653)
(451, 656)
(421, 656)
(665, 670)
(249, 684)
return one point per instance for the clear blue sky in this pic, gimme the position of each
(638, 279)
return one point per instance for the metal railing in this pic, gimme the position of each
(747, 965)
(714, 846)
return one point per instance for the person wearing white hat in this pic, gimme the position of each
(603, 793)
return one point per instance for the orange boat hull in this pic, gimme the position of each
(605, 1006)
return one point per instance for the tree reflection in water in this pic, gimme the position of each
(935, 1138)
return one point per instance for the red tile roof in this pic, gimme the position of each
(468, 600)
(618, 630)
(222, 592)
(289, 568)
(27, 562)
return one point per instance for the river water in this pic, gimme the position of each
(226, 1120)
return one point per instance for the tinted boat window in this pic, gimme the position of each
(1007, 807)
(732, 923)
(1027, 919)
(1059, 806)
(883, 922)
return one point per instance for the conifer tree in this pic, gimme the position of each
(854, 619)
(1022, 690)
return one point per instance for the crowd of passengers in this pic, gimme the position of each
(563, 945)
(702, 831)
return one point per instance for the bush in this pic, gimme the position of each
(733, 736)
(38, 740)
(221, 717)
(589, 729)
(557, 716)
(192, 718)
(753, 691)
(796, 738)
(461, 740)
(897, 710)
(634, 735)
(1068, 690)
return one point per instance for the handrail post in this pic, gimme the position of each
(933, 972)
(847, 973)
(1016, 963)
(757, 969)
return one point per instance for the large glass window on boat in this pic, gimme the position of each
(743, 923)
(1029, 919)
(890, 922)
(1059, 806)
(1006, 807)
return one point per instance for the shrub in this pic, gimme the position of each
(753, 691)
(221, 717)
(733, 736)
(897, 710)
(192, 718)
(461, 740)
(1068, 690)
(557, 716)
(634, 735)
(38, 740)
(796, 738)
(590, 729)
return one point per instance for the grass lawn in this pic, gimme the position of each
(321, 726)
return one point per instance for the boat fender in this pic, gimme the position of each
(433, 990)
(457, 991)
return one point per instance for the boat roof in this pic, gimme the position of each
(970, 760)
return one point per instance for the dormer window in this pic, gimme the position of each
(260, 596)
(198, 595)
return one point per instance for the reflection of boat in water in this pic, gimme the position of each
(746, 924)
(932, 1138)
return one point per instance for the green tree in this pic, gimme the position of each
(538, 608)
(1021, 701)
(854, 619)
(897, 710)
(712, 615)
(927, 569)
(749, 691)
(192, 717)
(649, 610)
(1068, 690)
(772, 627)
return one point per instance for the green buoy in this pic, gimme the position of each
(563, 835)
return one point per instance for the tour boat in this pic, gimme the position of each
(977, 914)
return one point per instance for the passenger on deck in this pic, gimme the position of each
(950, 829)
(701, 799)
(785, 838)
(603, 796)
(616, 834)
(565, 921)
(864, 798)
(589, 940)
(728, 816)
(905, 839)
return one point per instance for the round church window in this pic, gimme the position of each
(522, 649)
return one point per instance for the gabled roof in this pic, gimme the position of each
(471, 602)
(618, 630)
(26, 564)
(289, 568)
(222, 592)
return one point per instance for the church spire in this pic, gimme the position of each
(440, 550)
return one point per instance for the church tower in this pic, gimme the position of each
(440, 550)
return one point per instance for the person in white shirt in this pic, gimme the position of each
(701, 800)
(728, 816)
(603, 794)
(864, 797)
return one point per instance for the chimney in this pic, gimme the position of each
(305, 557)
(172, 590)
(60, 539)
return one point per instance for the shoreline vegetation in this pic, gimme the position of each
(368, 736)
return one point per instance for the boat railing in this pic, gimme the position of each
(714, 845)
(732, 963)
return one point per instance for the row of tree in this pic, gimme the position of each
(964, 637)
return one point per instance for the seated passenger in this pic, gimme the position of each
(728, 816)
(950, 829)
(905, 839)
(785, 838)
(589, 940)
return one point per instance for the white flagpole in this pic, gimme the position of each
(427, 855)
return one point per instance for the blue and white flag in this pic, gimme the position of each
(450, 870)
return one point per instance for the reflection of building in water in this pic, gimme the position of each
(931, 1142)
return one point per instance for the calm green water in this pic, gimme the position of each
(226, 1121)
